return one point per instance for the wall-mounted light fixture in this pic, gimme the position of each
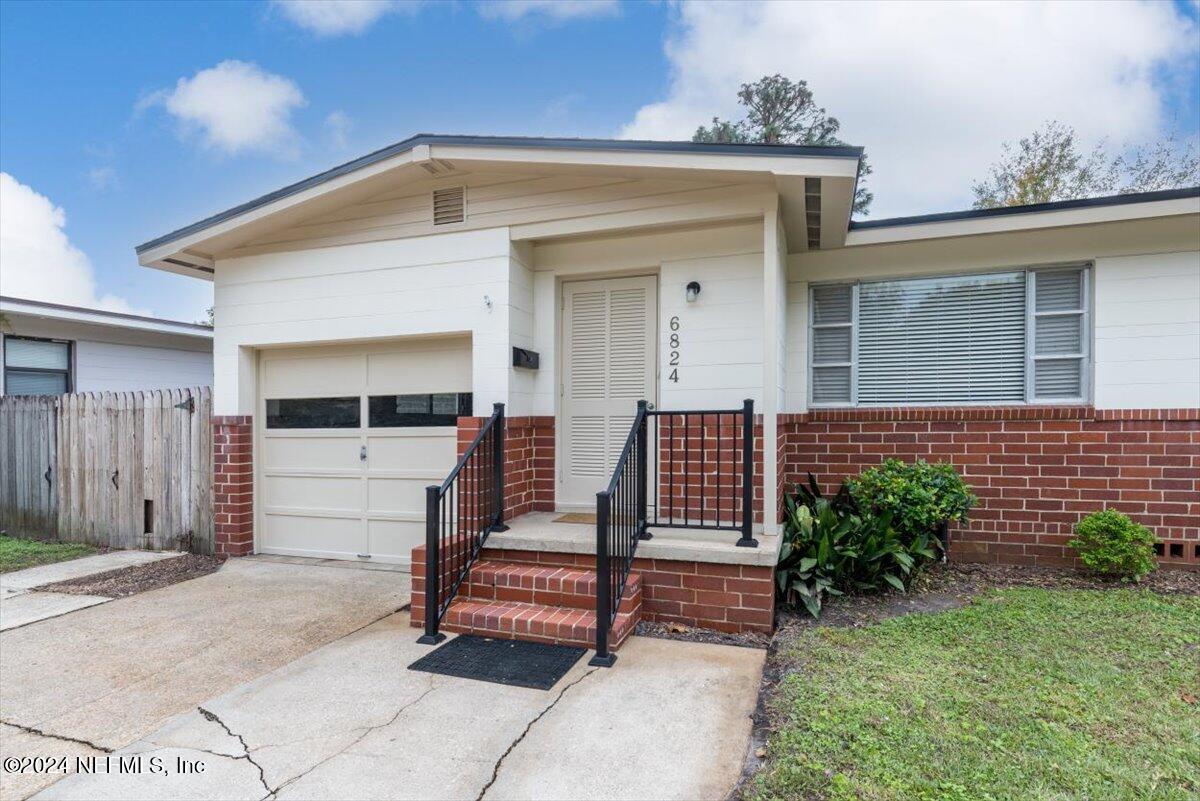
(693, 291)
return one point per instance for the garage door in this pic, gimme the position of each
(349, 437)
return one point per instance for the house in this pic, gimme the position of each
(51, 349)
(371, 317)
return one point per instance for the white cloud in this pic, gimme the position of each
(338, 126)
(553, 10)
(37, 260)
(235, 107)
(102, 178)
(931, 90)
(340, 17)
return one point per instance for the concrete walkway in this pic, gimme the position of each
(101, 678)
(349, 721)
(19, 606)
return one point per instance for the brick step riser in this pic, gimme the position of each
(582, 635)
(491, 584)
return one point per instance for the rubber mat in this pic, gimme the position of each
(516, 663)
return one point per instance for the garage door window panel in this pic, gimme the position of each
(341, 412)
(410, 411)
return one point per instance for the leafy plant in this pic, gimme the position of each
(1111, 544)
(919, 496)
(830, 548)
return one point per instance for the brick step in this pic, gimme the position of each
(558, 625)
(546, 585)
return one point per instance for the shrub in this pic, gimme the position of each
(919, 496)
(1111, 544)
(831, 548)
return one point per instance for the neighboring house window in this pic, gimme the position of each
(1007, 337)
(36, 366)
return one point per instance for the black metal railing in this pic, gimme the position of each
(701, 476)
(704, 466)
(620, 523)
(459, 515)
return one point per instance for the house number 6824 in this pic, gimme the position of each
(673, 357)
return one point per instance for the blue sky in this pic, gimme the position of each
(95, 121)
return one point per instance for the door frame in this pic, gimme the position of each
(560, 372)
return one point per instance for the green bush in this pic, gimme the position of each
(831, 548)
(919, 496)
(1111, 544)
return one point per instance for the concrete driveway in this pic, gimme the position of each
(670, 720)
(100, 678)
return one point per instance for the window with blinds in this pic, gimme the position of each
(36, 366)
(1009, 337)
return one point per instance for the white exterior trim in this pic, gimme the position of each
(78, 314)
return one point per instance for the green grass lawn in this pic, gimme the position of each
(16, 554)
(1024, 693)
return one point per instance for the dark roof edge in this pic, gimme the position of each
(121, 315)
(1032, 208)
(614, 145)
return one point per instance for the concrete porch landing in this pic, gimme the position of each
(537, 531)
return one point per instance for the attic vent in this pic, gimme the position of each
(449, 205)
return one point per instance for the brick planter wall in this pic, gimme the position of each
(233, 485)
(1036, 470)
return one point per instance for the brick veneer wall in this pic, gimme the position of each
(1036, 470)
(529, 461)
(730, 598)
(699, 464)
(233, 485)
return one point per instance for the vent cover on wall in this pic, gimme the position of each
(449, 205)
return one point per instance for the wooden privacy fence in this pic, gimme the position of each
(119, 469)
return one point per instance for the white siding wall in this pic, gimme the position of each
(377, 290)
(1147, 324)
(111, 359)
(109, 367)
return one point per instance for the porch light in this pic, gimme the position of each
(693, 291)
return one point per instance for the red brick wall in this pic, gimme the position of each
(233, 485)
(529, 461)
(731, 598)
(1036, 470)
(699, 463)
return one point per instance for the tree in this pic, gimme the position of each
(1049, 165)
(208, 317)
(782, 111)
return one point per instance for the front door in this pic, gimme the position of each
(608, 365)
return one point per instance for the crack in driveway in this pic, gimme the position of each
(262, 777)
(521, 736)
(365, 731)
(52, 736)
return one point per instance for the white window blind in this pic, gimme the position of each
(36, 366)
(1060, 343)
(1005, 337)
(832, 343)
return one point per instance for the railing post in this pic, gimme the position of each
(642, 476)
(497, 523)
(432, 567)
(748, 541)
(603, 657)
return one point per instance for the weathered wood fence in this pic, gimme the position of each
(120, 469)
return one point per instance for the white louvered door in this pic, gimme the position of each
(608, 365)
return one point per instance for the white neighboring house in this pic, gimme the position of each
(50, 349)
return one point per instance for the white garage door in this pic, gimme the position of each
(349, 437)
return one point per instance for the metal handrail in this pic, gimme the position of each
(616, 538)
(465, 523)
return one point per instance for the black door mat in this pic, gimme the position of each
(513, 662)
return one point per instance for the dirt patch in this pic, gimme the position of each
(127, 581)
(678, 631)
(942, 587)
